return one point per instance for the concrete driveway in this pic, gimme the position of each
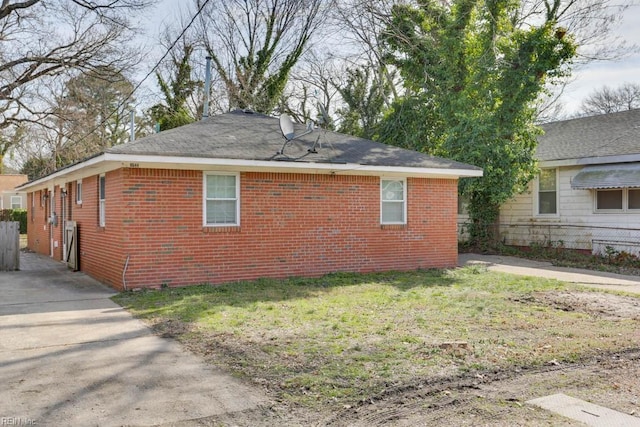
(527, 267)
(69, 355)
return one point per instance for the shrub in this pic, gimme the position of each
(19, 215)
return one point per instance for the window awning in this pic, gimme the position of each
(622, 175)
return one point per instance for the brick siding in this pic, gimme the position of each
(290, 225)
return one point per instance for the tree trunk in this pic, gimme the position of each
(484, 227)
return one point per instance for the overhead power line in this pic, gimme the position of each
(153, 69)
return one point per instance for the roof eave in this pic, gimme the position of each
(110, 161)
(583, 161)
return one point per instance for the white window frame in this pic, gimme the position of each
(536, 195)
(204, 199)
(625, 201)
(403, 201)
(20, 201)
(79, 192)
(102, 201)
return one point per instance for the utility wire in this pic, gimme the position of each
(169, 49)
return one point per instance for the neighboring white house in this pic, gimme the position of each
(588, 193)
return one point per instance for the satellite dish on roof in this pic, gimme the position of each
(286, 126)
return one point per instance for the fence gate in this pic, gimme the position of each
(9, 246)
(71, 247)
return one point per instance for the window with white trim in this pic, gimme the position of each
(393, 197)
(617, 200)
(102, 189)
(221, 199)
(547, 192)
(79, 192)
(16, 202)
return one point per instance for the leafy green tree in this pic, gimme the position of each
(365, 95)
(177, 90)
(472, 77)
(98, 102)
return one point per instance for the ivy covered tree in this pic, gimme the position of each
(177, 90)
(471, 77)
(364, 94)
(254, 45)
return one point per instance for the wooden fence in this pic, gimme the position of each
(9, 246)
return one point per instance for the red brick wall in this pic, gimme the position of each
(101, 248)
(290, 225)
(37, 227)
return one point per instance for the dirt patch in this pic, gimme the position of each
(609, 306)
(498, 398)
(479, 399)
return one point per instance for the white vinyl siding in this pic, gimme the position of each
(221, 199)
(520, 224)
(393, 201)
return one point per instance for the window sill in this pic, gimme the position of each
(221, 229)
(393, 226)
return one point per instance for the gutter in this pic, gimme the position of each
(105, 162)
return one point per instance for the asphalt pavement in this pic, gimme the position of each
(71, 356)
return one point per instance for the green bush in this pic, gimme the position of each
(19, 215)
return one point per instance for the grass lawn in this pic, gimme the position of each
(345, 337)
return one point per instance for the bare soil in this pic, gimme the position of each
(494, 398)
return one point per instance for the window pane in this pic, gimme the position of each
(393, 212)
(102, 187)
(547, 202)
(16, 202)
(548, 180)
(392, 190)
(221, 187)
(221, 212)
(609, 199)
(78, 192)
(634, 199)
(102, 213)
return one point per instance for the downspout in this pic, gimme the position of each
(124, 272)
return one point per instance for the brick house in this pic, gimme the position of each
(224, 199)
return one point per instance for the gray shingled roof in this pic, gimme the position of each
(251, 136)
(612, 134)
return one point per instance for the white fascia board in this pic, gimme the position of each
(583, 161)
(92, 166)
(109, 161)
(204, 163)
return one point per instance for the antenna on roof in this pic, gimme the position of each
(286, 126)
(323, 120)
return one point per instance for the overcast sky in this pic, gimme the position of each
(612, 74)
(585, 80)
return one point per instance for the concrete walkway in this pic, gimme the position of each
(525, 267)
(71, 356)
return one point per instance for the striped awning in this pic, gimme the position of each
(621, 175)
